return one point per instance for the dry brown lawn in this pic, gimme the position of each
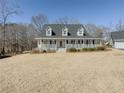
(92, 72)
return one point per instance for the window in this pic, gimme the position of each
(50, 42)
(65, 31)
(55, 41)
(66, 41)
(48, 31)
(72, 41)
(82, 41)
(87, 42)
(78, 41)
(39, 42)
(80, 32)
(93, 42)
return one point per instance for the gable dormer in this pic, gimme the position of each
(49, 31)
(80, 32)
(65, 31)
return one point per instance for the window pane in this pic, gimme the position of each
(50, 42)
(82, 41)
(66, 41)
(55, 41)
(87, 42)
(78, 41)
(93, 42)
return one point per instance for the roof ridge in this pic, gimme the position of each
(63, 24)
(117, 31)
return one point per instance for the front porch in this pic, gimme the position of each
(61, 44)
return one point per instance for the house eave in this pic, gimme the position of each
(118, 40)
(68, 38)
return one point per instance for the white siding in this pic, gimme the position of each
(119, 45)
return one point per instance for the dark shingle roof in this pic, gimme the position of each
(117, 35)
(57, 31)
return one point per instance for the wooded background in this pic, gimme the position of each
(16, 37)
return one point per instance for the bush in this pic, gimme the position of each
(78, 50)
(72, 50)
(35, 51)
(85, 49)
(51, 51)
(26, 52)
(44, 51)
(91, 49)
(102, 48)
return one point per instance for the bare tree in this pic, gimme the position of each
(66, 20)
(38, 21)
(6, 11)
(20, 37)
(120, 25)
(94, 30)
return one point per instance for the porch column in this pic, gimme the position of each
(65, 43)
(41, 43)
(100, 42)
(46, 44)
(76, 45)
(55, 44)
(84, 43)
(90, 42)
(95, 43)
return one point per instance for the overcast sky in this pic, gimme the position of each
(100, 12)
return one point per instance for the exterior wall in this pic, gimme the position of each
(57, 44)
(119, 45)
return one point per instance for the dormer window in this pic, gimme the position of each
(65, 31)
(49, 31)
(80, 32)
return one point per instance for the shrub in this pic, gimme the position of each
(51, 51)
(91, 49)
(78, 50)
(72, 50)
(102, 48)
(26, 52)
(44, 51)
(35, 51)
(85, 49)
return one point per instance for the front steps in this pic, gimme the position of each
(61, 50)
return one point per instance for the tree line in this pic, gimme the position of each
(16, 38)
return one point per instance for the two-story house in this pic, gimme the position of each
(61, 37)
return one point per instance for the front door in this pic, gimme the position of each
(61, 44)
